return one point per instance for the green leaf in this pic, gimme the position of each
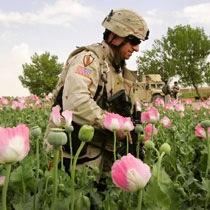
(206, 186)
(154, 198)
(23, 176)
(161, 195)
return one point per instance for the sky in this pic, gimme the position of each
(58, 26)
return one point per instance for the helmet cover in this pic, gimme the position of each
(124, 22)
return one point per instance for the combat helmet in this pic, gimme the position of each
(124, 22)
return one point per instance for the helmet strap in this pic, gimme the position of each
(117, 61)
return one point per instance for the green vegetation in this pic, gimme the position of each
(41, 76)
(180, 175)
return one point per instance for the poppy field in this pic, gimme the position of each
(173, 175)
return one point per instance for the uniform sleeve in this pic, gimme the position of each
(80, 86)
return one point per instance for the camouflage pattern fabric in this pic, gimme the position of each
(126, 22)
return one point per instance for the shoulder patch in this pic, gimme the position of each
(87, 60)
(83, 71)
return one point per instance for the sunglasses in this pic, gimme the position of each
(133, 40)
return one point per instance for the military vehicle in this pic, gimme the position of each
(149, 88)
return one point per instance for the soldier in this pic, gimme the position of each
(167, 92)
(176, 90)
(93, 76)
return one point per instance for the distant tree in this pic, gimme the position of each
(182, 52)
(41, 76)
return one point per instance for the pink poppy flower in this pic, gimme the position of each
(159, 102)
(113, 122)
(149, 130)
(169, 106)
(38, 101)
(196, 107)
(188, 101)
(33, 97)
(179, 107)
(14, 144)
(17, 105)
(22, 100)
(130, 173)
(204, 105)
(151, 115)
(4, 101)
(166, 122)
(200, 132)
(55, 115)
(49, 96)
(67, 116)
(127, 124)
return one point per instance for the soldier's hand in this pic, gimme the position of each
(121, 135)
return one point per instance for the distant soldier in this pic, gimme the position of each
(167, 92)
(176, 90)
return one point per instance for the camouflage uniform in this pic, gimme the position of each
(86, 69)
(167, 92)
(176, 90)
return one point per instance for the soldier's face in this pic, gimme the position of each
(127, 50)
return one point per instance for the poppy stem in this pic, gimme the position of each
(73, 170)
(140, 196)
(71, 151)
(159, 166)
(115, 142)
(5, 187)
(208, 154)
(55, 177)
(37, 171)
(127, 142)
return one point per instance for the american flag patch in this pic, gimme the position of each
(83, 71)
